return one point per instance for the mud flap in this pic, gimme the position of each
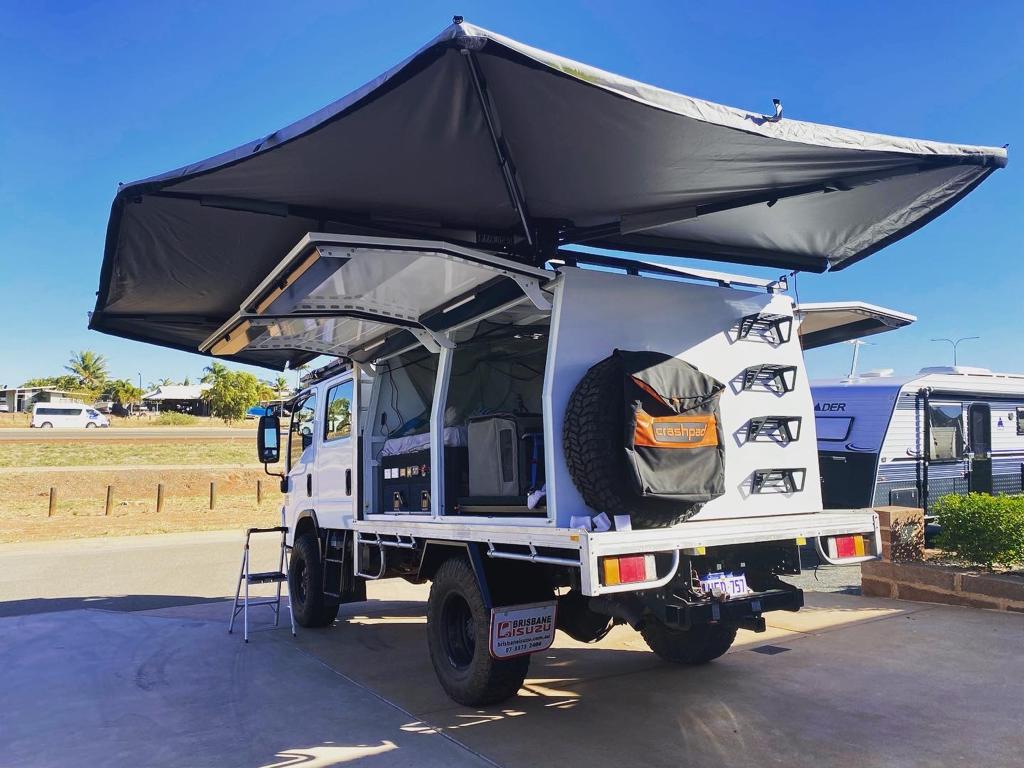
(517, 630)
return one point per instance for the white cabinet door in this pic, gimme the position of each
(336, 474)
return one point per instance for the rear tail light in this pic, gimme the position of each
(628, 569)
(840, 547)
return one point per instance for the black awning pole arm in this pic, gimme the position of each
(511, 183)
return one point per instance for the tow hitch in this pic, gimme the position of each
(744, 612)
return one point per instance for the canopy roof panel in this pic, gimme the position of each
(484, 141)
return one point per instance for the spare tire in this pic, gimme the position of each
(592, 439)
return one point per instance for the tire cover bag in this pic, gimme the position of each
(673, 430)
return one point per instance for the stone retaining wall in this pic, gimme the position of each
(929, 583)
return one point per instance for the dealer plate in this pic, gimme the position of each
(720, 583)
(520, 629)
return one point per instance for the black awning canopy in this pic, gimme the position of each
(480, 140)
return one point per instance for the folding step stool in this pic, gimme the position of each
(266, 577)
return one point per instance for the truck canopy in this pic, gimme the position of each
(482, 141)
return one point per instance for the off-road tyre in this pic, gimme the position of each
(592, 438)
(458, 637)
(305, 585)
(697, 645)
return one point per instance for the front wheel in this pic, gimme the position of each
(458, 636)
(90, 425)
(46, 425)
(305, 585)
(697, 645)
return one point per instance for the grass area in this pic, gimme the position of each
(109, 453)
(148, 421)
(27, 520)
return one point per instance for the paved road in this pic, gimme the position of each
(116, 651)
(128, 433)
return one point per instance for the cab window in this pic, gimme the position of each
(300, 435)
(338, 416)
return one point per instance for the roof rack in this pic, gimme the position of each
(573, 258)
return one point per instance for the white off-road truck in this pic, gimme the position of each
(554, 438)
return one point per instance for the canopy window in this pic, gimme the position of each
(833, 322)
(481, 140)
(342, 296)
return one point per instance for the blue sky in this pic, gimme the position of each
(97, 93)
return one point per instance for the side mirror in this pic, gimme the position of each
(268, 440)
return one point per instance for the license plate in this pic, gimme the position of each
(729, 584)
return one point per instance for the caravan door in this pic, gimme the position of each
(979, 440)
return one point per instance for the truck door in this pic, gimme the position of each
(302, 454)
(335, 456)
(979, 436)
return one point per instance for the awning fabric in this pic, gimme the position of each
(481, 140)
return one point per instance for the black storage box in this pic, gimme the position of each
(405, 480)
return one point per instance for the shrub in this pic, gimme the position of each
(987, 530)
(175, 419)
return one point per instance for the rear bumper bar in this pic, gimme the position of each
(744, 612)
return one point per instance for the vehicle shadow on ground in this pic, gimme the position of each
(36, 605)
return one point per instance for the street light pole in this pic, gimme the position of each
(956, 343)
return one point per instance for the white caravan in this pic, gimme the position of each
(552, 438)
(908, 440)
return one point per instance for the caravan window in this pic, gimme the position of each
(1020, 415)
(835, 428)
(947, 431)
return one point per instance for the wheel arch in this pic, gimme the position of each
(306, 521)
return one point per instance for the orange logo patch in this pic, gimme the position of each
(697, 431)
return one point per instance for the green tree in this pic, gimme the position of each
(66, 383)
(233, 393)
(89, 368)
(124, 393)
(213, 371)
(187, 382)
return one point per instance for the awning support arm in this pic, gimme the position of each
(507, 168)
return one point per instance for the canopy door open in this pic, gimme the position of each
(827, 323)
(362, 297)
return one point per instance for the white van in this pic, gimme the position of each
(69, 416)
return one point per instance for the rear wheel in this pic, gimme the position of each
(696, 645)
(46, 425)
(305, 585)
(458, 636)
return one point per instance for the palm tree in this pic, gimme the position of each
(187, 382)
(213, 371)
(161, 383)
(89, 367)
(280, 385)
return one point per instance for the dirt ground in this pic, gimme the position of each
(127, 452)
(80, 472)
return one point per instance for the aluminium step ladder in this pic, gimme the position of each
(247, 577)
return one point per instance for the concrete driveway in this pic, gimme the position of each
(151, 678)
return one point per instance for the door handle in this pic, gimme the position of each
(348, 481)
(309, 485)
